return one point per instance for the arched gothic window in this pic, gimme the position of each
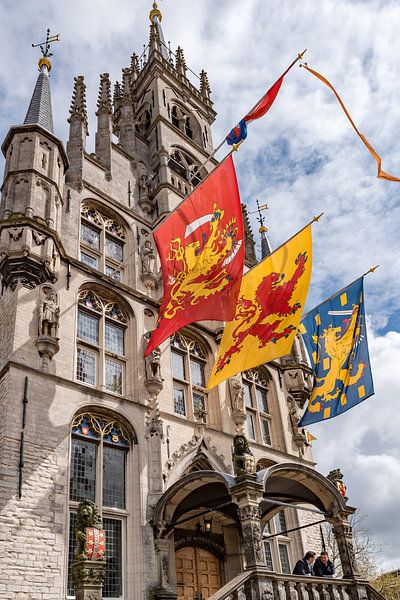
(188, 362)
(101, 327)
(102, 242)
(183, 121)
(99, 449)
(277, 548)
(183, 164)
(258, 406)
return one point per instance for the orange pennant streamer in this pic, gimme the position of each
(381, 174)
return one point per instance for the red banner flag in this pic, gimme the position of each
(266, 102)
(201, 248)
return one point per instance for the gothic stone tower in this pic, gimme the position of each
(82, 414)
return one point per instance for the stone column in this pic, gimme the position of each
(88, 577)
(344, 538)
(164, 591)
(247, 495)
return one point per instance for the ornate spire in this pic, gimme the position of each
(40, 111)
(117, 97)
(180, 62)
(104, 98)
(266, 249)
(157, 40)
(154, 41)
(205, 89)
(78, 102)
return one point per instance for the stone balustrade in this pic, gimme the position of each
(260, 584)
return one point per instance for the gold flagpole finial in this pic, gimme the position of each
(155, 12)
(372, 269)
(317, 218)
(301, 54)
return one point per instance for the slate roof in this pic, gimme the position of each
(39, 111)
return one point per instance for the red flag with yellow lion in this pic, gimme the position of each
(201, 251)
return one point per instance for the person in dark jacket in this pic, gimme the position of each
(323, 567)
(305, 565)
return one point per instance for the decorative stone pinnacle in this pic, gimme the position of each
(104, 98)
(78, 102)
(205, 89)
(180, 62)
(126, 84)
(135, 64)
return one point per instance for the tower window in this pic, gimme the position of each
(99, 449)
(259, 418)
(188, 361)
(102, 242)
(100, 342)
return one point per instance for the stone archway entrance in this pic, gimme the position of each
(198, 573)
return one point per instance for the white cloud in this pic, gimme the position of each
(245, 46)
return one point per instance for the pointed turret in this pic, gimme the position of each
(103, 139)
(266, 249)
(78, 131)
(126, 120)
(40, 111)
(32, 192)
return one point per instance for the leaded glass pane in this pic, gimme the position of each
(268, 556)
(197, 373)
(86, 366)
(89, 260)
(280, 522)
(178, 365)
(113, 477)
(265, 432)
(114, 249)
(114, 339)
(83, 470)
(71, 553)
(199, 407)
(250, 426)
(88, 327)
(247, 395)
(179, 400)
(113, 555)
(284, 558)
(114, 371)
(262, 400)
(90, 236)
(114, 273)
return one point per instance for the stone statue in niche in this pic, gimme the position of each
(49, 313)
(144, 185)
(152, 361)
(147, 257)
(242, 457)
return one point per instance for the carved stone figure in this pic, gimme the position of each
(147, 256)
(89, 524)
(153, 364)
(243, 459)
(49, 313)
(237, 395)
(336, 477)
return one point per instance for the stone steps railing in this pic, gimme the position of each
(261, 584)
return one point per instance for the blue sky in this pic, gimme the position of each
(303, 158)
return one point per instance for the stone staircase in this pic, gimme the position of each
(260, 584)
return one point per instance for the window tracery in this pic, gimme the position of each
(189, 358)
(99, 449)
(102, 242)
(101, 325)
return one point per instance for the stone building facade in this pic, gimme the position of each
(82, 414)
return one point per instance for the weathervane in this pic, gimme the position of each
(260, 217)
(45, 49)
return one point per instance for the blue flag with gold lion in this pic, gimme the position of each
(335, 335)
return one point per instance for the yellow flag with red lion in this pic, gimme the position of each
(269, 308)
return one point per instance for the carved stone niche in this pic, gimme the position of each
(48, 320)
(148, 262)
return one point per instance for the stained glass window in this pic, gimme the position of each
(188, 361)
(98, 472)
(102, 242)
(255, 391)
(101, 323)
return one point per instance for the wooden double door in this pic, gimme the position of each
(198, 573)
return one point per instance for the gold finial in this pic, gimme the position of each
(155, 12)
(317, 218)
(44, 61)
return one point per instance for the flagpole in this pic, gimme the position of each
(370, 270)
(299, 57)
